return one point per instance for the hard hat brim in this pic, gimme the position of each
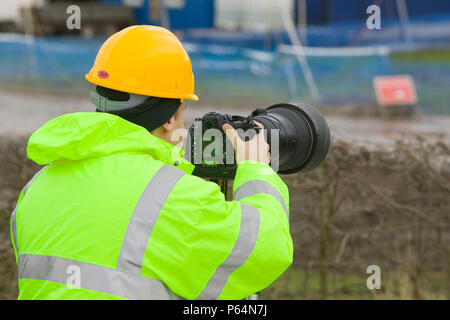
(122, 88)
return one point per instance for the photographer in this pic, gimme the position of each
(115, 213)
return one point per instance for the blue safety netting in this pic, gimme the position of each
(242, 73)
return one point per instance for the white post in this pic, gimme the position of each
(404, 18)
(303, 17)
(29, 30)
(164, 14)
(301, 58)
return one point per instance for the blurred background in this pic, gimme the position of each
(379, 74)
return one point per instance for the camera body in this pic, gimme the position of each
(225, 167)
(298, 136)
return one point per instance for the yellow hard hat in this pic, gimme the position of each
(145, 60)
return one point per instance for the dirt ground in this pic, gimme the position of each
(23, 112)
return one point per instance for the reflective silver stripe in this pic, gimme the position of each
(242, 249)
(259, 186)
(144, 218)
(92, 277)
(25, 189)
(14, 213)
(14, 228)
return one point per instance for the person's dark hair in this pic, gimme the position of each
(150, 114)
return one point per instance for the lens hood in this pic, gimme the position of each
(304, 136)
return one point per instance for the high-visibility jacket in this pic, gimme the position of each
(116, 214)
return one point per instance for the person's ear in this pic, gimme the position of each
(169, 125)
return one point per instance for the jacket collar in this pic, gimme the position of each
(83, 135)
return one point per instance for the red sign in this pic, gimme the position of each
(395, 90)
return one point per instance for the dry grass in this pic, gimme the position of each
(15, 171)
(388, 207)
(384, 206)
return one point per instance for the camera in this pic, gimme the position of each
(298, 136)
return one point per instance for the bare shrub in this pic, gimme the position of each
(387, 206)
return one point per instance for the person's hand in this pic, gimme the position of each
(257, 149)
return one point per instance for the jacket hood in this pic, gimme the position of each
(82, 135)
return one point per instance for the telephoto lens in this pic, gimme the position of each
(303, 135)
